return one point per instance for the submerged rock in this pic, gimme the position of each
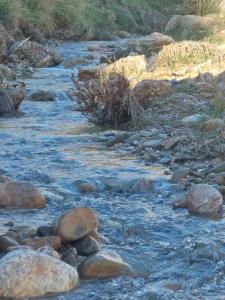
(42, 96)
(204, 199)
(137, 185)
(75, 224)
(20, 194)
(26, 273)
(104, 264)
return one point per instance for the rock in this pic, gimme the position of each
(102, 265)
(170, 143)
(179, 203)
(36, 54)
(42, 96)
(86, 246)
(151, 43)
(23, 232)
(193, 119)
(21, 195)
(219, 179)
(90, 72)
(69, 256)
(75, 224)
(90, 186)
(10, 99)
(53, 242)
(75, 62)
(45, 230)
(186, 26)
(180, 174)
(137, 185)
(49, 251)
(7, 242)
(123, 34)
(146, 90)
(204, 199)
(36, 275)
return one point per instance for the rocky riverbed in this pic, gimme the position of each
(129, 178)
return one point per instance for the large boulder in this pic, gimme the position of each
(36, 54)
(151, 43)
(26, 273)
(75, 224)
(104, 264)
(11, 98)
(20, 194)
(205, 200)
(184, 27)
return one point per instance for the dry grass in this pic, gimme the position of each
(108, 101)
(202, 7)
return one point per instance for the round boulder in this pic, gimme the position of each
(75, 224)
(204, 199)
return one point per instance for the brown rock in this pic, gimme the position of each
(104, 264)
(204, 199)
(170, 143)
(7, 242)
(87, 73)
(49, 251)
(75, 224)
(20, 194)
(53, 242)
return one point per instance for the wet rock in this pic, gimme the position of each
(91, 72)
(36, 54)
(75, 62)
(89, 186)
(87, 246)
(138, 185)
(11, 98)
(7, 242)
(45, 230)
(155, 144)
(53, 242)
(49, 251)
(179, 203)
(24, 232)
(75, 224)
(120, 138)
(146, 90)
(104, 264)
(180, 174)
(42, 96)
(36, 275)
(21, 195)
(204, 199)
(69, 256)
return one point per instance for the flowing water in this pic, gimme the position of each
(175, 256)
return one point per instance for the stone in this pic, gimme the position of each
(75, 62)
(170, 143)
(179, 203)
(7, 242)
(136, 185)
(69, 256)
(26, 273)
(204, 199)
(38, 242)
(151, 43)
(146, 90)
(11, 98)
(49, 251)
(90, 72)
(219, 178)
(180, 174)
(89, 186)
(21, 195)
(75, 224)
(23, 231)
(42, 96)
(86, 246)
(36, 54)
(104, 264)
(193, 119)
(45, 230)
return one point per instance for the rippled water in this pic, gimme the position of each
(176, 256)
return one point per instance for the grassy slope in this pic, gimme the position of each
(84, 17)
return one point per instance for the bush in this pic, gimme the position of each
(107, 102)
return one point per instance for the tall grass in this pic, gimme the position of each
(83, 17)
(202, 7)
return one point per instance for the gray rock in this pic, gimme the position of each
(69, 256)
(87, 246)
